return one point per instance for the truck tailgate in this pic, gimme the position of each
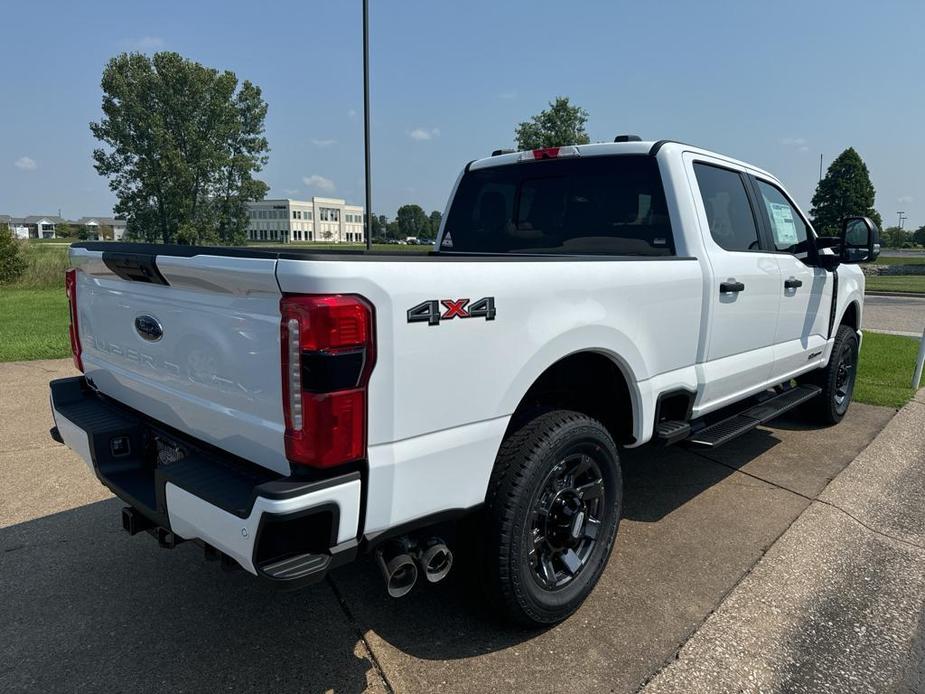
(193, 342)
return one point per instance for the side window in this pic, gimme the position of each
(787, 227)
(729, 214)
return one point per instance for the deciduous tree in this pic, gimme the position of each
(435, 219)
(182, 145)
(412, 221)
(12, 257)
(918, 236)
(560, 124)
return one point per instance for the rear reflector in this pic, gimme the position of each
(328, 353)
(549, 153)
(73, 331)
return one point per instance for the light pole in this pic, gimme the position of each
(369, 194)
(902, 218)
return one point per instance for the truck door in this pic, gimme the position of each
(745, 286)
(805, 290)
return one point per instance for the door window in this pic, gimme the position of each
(729, 213)
(787, 227)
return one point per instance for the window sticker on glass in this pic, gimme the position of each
(785, 232)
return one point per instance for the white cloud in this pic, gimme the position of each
(903, 199)
(291, 191)
(26, 164)
(323, 143)
(422, 134)
(325, 185)
(507, 96)
(143, 44)
(352, 114)
(793, 141)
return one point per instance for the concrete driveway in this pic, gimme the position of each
(85, 606)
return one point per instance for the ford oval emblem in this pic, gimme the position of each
(149, 328)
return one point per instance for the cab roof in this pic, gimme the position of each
(650, 147)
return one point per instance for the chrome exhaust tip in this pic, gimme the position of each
(399, 571)
(436, 561)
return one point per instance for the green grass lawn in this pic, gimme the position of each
(33, 324)
(897, 283)
(885, 369)
(901, 260)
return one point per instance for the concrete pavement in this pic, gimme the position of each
(86, 606)
(836, 605)
(902, 315)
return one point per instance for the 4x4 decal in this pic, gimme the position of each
(429, 311)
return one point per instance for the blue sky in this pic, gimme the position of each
(775, 84)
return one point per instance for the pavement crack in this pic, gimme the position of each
(356, 627)
(816, 499)
(875, 531)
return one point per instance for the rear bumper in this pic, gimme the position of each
(289, 531)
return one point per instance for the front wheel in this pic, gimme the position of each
(836, 380)
(552, 510)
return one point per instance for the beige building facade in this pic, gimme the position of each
(319, 220)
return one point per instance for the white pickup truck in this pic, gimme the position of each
(289, 408)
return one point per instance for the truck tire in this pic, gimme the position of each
(552, 510)
(837, 379)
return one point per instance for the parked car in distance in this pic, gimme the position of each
(288, 409)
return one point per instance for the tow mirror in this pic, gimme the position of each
(860, 240)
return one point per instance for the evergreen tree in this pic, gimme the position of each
(845, 191)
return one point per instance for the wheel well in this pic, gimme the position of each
(850, 316)
(586, 382)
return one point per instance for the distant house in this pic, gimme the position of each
(38, 226)
(41, 226)
(97, 228)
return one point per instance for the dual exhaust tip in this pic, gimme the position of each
(401, 564)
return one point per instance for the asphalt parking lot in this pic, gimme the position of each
(87, 607)
(903, 315)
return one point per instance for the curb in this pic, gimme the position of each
(907, 295)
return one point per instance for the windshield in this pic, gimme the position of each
(611, 205)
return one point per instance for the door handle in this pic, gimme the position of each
(731, 287)
(792, 283)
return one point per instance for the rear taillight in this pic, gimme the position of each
(70, 288)
(328, 352)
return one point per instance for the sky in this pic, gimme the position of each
(775, 84)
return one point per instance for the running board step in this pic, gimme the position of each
(671, 431)
(733, 427)
(296, 566)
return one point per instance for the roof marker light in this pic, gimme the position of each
(549, 153)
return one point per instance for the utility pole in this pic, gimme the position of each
(369, 194)
(902, 218)
(820, 167)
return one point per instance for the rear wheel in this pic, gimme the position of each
(837, 379)
(553, 507)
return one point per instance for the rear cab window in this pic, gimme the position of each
(607, 205)
(729, 212)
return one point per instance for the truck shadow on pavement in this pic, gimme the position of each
(87, 606)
